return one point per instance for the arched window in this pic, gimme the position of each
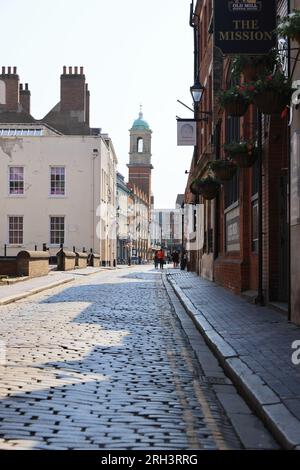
(140, 145)
(2, 92)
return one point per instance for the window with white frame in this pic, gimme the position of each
(57, 230)
(15, 230)
(16, 180)
(58, 181)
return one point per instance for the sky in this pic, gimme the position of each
(133, 52)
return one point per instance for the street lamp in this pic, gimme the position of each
(197, 91)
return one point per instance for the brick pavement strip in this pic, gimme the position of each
(263, 334)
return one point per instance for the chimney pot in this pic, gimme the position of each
(76, 71)
(15, 70)
(81, 70)
(70, 70)
(21, 86)
(9, 70)
(3, 70)
(64, 70)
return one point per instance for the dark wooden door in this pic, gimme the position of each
(283, 241)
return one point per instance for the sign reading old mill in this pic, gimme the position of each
(245, 27)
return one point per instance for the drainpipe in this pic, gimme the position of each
(289, 200)
(93, 199)
(192, 24)
(217, 200)
(260, 297)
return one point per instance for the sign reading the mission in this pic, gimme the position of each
(245, 27)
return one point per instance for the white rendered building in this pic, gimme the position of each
(57, 182)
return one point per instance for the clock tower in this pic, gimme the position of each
(140, 166)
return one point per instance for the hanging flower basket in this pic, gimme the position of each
(206, 187)
(296, 37)
(194, 187)
(289, 26)
(223, 169)
(235, 101)
(254, 66)
(272, 93)
(243, 154)
(270, 102)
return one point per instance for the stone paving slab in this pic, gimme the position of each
(261, 338)
(249, 427)
(14, 292)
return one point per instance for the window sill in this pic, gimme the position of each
(232, 206)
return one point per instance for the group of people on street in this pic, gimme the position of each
(159, 258)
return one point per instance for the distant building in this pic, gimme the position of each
(138, 219)
(57, 175)
(139, 182)
(166, 227)
(179, 201)
(123, 204)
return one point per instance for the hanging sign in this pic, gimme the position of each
(245, 27)
(186, 132)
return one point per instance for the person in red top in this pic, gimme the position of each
(161, 258)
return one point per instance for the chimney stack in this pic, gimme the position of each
(11, 81)
(25, 98)
(73, 92)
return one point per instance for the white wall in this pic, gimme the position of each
(79, 205)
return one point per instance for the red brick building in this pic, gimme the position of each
(140, 166)
(229, 252)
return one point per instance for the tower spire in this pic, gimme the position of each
(141, 112)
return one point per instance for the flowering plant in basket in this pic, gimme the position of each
(290, 26)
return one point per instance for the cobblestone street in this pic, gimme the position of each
(104, 363)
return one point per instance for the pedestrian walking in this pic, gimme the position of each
(161, 258)
(156, 261)
(183, 260)
(175, 259)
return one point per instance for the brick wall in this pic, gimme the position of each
(73, 90)
(25, 98)
(8, 266)
(141, 177)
